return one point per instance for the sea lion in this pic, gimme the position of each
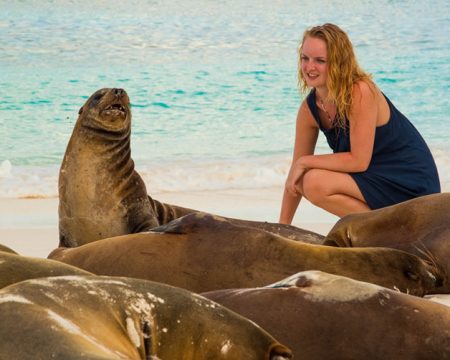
(168, 212)
(92, 317)
(7, 249)
(323, 316)
(201, 252)
(100, 193)
(420, 226)
(15, 268)
(287, 231)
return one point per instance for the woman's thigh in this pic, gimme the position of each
(319, 183)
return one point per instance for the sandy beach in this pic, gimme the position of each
(30, 226)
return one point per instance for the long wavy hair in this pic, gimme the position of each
(343, 68)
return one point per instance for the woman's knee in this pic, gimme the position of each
(314, 185)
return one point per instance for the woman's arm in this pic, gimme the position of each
(305, 141)
(363, 122)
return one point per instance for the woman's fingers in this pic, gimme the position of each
(291, 187)
(295, 175)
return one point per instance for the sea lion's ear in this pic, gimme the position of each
(80, 111)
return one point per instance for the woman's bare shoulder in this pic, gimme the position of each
(365, 88)
(368, 98)
(369, 91)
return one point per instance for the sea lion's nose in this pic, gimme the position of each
(118, 92)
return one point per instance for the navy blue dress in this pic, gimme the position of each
(401, 167)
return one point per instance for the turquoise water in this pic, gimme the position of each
(212, 84)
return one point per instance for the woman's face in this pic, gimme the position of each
(314, 62)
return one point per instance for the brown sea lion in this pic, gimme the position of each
(100, 193)
(200, 252)
(324, 316)
(168, 212)
(92, 317)
(7, 249)
(420, 226)
(288, 231)
(15, 268)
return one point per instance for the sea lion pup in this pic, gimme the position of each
(100, 193)
(200, 252)
(420, 226)
(15, 268)
(92, 317)
(323, 316)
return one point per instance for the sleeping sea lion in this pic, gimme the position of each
(4, 248)
(420, 226)
(89, 317)
(200, 252)
(323, 316)
(15, 268)
(168, 212)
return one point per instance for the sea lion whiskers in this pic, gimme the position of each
(437, 270)
(428, 255)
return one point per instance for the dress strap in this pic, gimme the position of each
(311, 101)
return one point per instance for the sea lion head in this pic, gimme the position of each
(416, 276)
(107, 110)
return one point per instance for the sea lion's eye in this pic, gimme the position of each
(411, 275)
(97, 97)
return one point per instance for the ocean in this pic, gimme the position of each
(213, 84)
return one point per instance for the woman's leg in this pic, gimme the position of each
(334, 192)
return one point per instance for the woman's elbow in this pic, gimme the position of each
(361, 165)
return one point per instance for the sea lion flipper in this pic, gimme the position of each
(169, 228)
(192, 223)
(166, 213)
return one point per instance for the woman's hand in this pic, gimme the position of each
(295, 174)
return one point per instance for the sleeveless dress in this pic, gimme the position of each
(401, 168)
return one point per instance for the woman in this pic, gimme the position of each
(378, 159)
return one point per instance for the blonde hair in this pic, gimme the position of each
(343, 68)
